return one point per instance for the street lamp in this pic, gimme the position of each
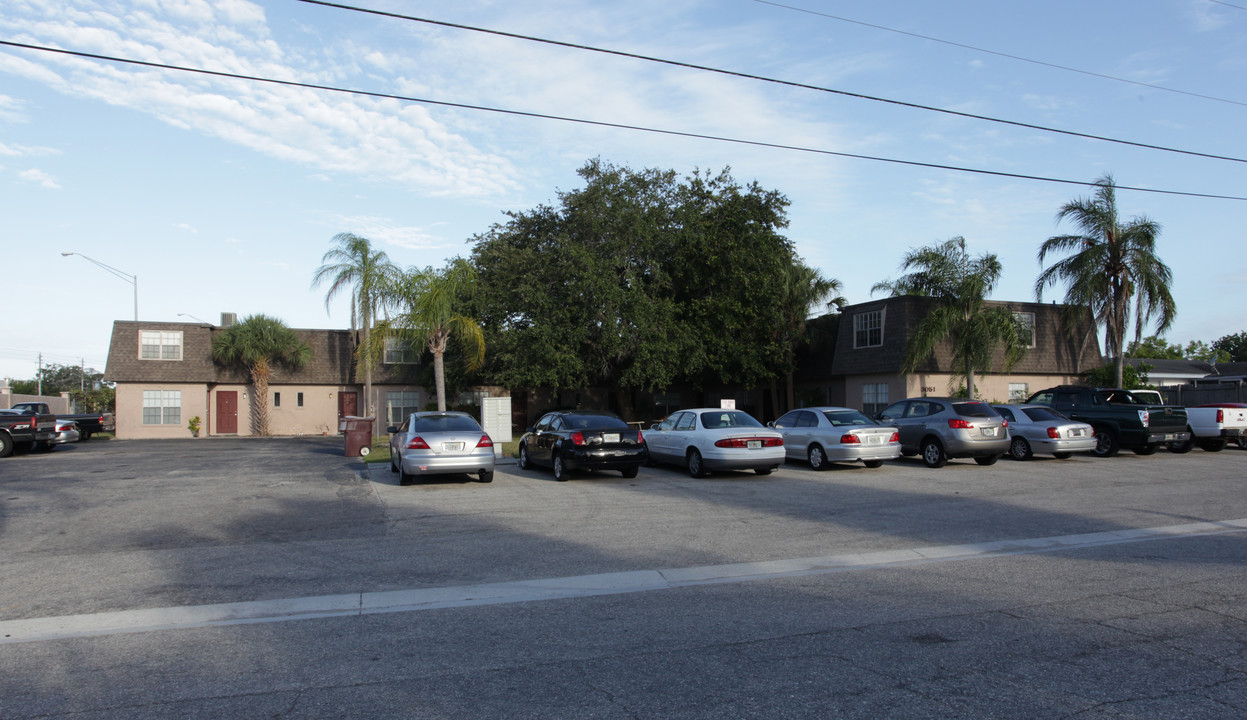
(192, 317)
(132, 279)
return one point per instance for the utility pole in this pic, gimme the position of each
(39, 375)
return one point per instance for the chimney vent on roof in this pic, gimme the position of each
(228, 319)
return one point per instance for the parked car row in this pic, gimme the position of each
(1099, 421)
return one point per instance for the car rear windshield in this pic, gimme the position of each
(840, 418)
(445, 423)
(975, 409)
(1044, 415)
(728, 419)
(584, 422)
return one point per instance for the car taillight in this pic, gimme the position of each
(896, 437)
(485, 442)
(578, 438)
(850, 439)
(959, 424)
(744, 442)
(1052, 433)
(417, 443)
(1004, 422)
(640, 439)
(1220, 416)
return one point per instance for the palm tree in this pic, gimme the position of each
(258, 343)
(429, 304)
(366, 272)
(959, 285)
(806, 291)
(1108, 266)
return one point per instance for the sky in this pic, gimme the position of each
(222, 195)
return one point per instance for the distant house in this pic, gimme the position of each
(1165, 372)
(165, 376)
(862, 367)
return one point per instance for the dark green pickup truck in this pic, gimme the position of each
(1120, 419)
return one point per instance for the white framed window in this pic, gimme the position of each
(1018, 392)
(401, 403)
(471, 397)
(1026, 328)
(162, 407)
(399, 352)
(160, 344)
(874, 398)
(868, 329)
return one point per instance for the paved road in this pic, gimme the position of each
(276, 578)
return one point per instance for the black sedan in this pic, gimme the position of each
(582, 440)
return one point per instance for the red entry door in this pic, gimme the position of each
(348, 404)
(227, 412)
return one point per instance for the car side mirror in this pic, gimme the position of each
(392, 429)
(528, 429)
(771, 424)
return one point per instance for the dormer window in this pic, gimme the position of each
(160, 344)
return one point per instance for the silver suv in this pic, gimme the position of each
(944, 428)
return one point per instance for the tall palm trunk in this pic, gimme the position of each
(437, 346)
(260, 374)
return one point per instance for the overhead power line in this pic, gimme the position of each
(788, 83)
(1007, 55)
(594, 123)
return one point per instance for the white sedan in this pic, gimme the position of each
(837, 434)
(705, 439)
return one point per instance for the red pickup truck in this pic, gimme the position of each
(24, 428)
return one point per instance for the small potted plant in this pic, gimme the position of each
(193, 426)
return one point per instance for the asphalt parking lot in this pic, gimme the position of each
(275, 577)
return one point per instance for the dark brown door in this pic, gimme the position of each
(348, 404)
(227, 412)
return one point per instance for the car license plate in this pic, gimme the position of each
(989, 432)
(1171, 436)
(610, 437)
(874, 439)
(1076, 432)
(753, 444)
(452, 446)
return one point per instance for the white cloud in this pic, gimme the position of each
(40, 178)
(381, 230)
(187, 228)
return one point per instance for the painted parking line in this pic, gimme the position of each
(518, 591)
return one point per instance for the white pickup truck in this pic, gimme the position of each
(1213, 426)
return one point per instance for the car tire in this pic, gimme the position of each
(764, 471)
(818, 457)
(693, 461)
(873, 463)
(1019, 449)
(933, 453)
(522, 461)
(630, 472)
(44, 445)
(393, 467)
(1149, 449)
(1106, 443)
(403, 477)
(6, 445)
(1183, 446)
(560, 470)
(84, 436)
(486, 476)
(987, 459)
(1214, 445)
(1061, 455)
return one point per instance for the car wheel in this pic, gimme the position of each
(1019, 449)
(1061, 456)
(560, 470)
(764, 471)
(1215, 445)
(818, 460)
(630, 472)
(403, 477)
(1106, 443)
(44, 445)
(393, 467)
(522, 461)
(1183, 446)
(84, 436)
(1147, 449)
(933, 453)
(695, 466)
(486, 476)
(988, 460)
(873, 463)
(6, 445)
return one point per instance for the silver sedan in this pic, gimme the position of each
(1039, 429)
(705, 439)
(823, 435)
(440, 443)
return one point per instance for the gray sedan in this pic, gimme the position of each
(1040, 429)
(824, 435)
(440, 443)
